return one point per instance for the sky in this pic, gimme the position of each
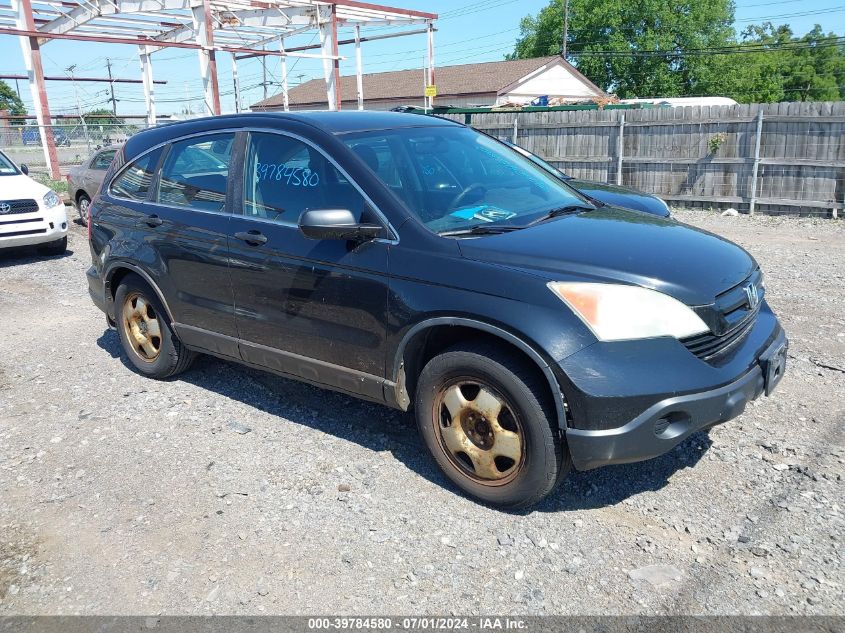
(468, 31)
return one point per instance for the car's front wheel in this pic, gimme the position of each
(82, 204)
(145, 333)
(485, 416)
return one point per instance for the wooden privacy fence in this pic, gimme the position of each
(774, 158)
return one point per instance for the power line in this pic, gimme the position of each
(766, 18)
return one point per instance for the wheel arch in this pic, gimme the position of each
(115, 273)
(427, 338)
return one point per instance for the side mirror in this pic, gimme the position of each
(336, 224)
(25, 170)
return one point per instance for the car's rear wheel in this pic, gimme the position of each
(487, 420)
(146, 334)
(56, 247)
(82, 204)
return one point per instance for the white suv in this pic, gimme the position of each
(30, 213)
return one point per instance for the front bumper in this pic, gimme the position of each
(30, 229)
(634, 406)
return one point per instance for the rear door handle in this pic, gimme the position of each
(253, 237)
(152, 221)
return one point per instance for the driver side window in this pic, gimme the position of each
(284, 177)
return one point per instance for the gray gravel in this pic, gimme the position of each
(233, 491)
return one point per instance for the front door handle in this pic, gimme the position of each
(153, 221)
(253, 237)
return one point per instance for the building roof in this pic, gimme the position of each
(451, 81)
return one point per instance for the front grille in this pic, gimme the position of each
(19, 233)
(707, 346)
(18, 206)
(21, 221)
(730, 319)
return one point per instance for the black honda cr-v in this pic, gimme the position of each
(417, 263)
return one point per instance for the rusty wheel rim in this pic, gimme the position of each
(479, 431)
(142, 327)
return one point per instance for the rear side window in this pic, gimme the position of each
(195, 173)
(134, 182)
(284, 177)
(102, 160)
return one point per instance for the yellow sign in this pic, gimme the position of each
(431, 91)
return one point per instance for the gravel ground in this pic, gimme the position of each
(233, 491)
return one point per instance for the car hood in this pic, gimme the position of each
(619, 245)
(19, 186)
(620, 196)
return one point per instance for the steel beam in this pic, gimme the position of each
(366, 38)
(31, 50)
(204, 28)
(285, 99)
(78, 16)
(145, 55)
(105, 80)
(295, 17)
(153, 44)
(431, 61)
(379, 8)
(326, 48)
(336, 60)
(359, 70)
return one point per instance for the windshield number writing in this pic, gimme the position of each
(291, 176)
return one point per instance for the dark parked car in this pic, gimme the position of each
(84, 180)
(616, 195)
(426, 266)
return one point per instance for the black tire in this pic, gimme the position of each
(82, 202)
(56, 247)
(545, 460)
(172, 357)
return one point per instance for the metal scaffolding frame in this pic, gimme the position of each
(244, 28)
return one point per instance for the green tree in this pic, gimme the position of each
(102, 116)
(815, 71)
(611, 42)
(786, 67)
(9, 100)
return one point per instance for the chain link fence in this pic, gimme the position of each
(75, 141)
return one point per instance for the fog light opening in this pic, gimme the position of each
(64, 225)
(661, 425)
(671, 425)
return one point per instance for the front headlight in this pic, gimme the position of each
(616, 313)
(51, 199)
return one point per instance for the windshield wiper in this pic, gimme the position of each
(480, 229)
(569, 209)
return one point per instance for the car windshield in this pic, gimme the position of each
(454, 178)
(7, 167)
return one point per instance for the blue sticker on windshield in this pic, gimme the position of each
(484, 213)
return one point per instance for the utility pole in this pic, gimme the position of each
(237, 84)
(111, 87)
(565, 27)
(70, 70)
(18, 88)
